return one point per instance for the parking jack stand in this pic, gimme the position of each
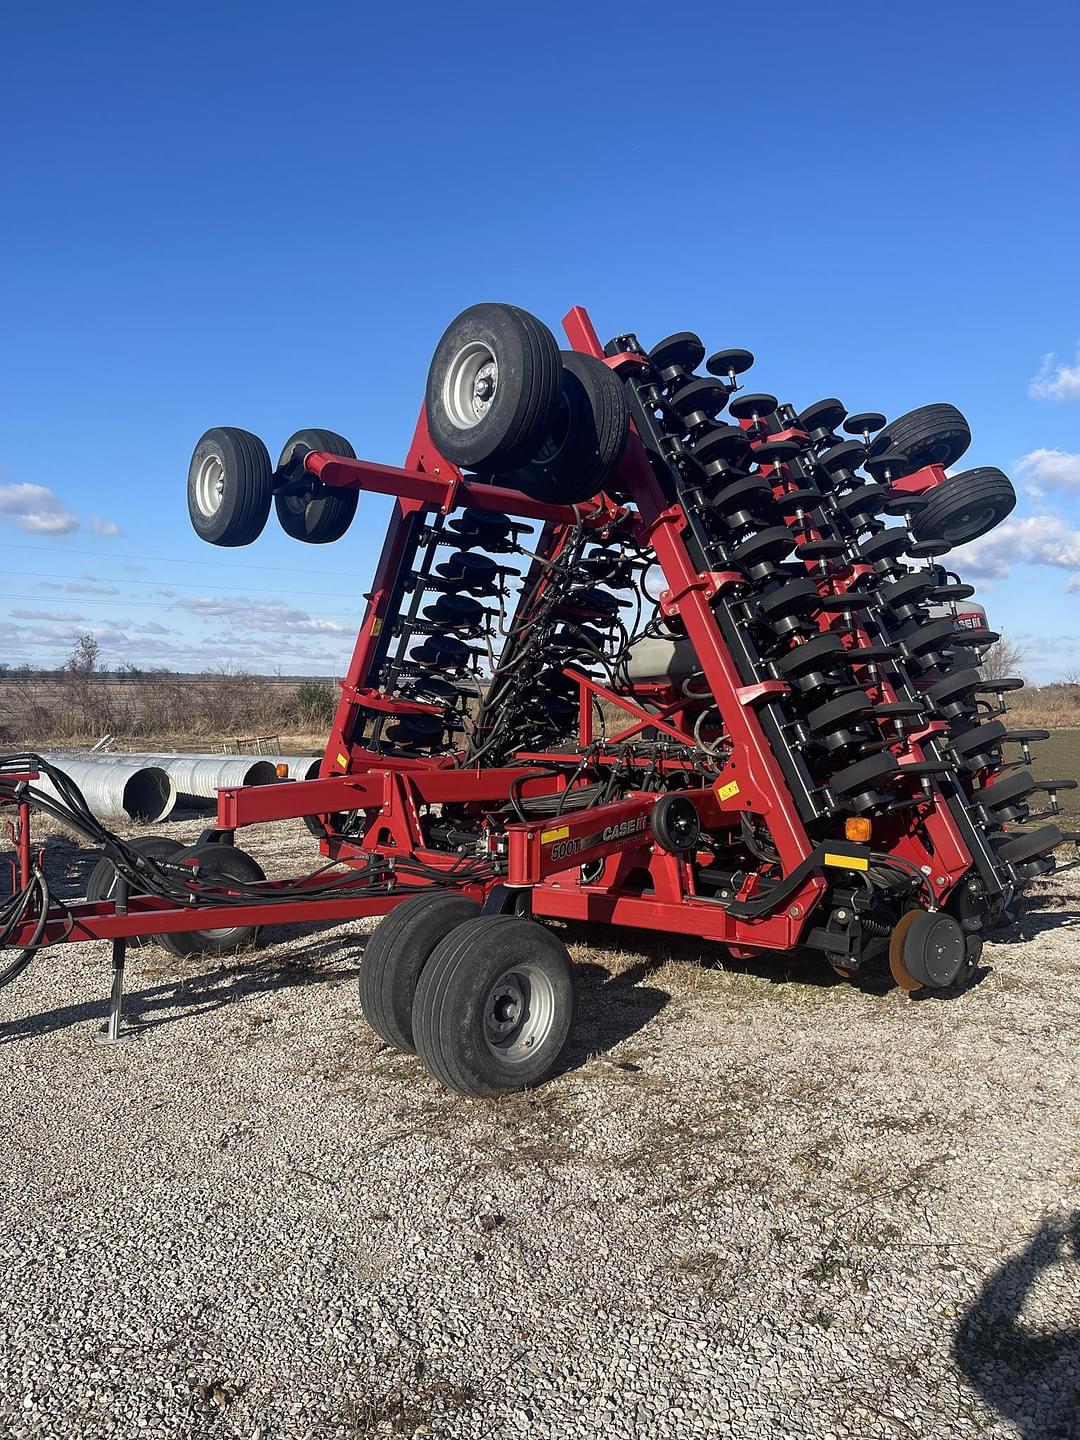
(111, 1033)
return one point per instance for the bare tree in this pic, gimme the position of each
(84, 657)
(1004, 657)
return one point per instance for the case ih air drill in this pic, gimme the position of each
(642, 649)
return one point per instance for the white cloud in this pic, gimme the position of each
(46, 615)
(268, 615)
(40, 511)
(1056, 382)
(1036, 540)
(80, 587)
(36, 509)
(1049, 470)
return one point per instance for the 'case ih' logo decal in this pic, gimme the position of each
(625, 830)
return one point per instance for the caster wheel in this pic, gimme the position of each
(216, 866)
(102, 881)
(965, 506)
(493, 388)
(931, 435)
(315, 514)
(579, 456)
(229, 487)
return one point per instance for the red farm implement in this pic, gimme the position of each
(623, 662)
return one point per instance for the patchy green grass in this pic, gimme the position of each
(1059, 759)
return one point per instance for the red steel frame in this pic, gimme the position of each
(546, 859)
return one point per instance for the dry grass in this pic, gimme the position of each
(157, 706)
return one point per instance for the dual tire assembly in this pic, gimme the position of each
(486, 1001)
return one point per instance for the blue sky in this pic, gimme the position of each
(265, 214)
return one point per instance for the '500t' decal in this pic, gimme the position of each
(563, 848)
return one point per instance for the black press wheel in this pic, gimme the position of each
(965, 506)
(494, 1006)
(493, 388)
(230, 482)
(316, 513)
(217, 865)
(929, 951)
(676, 825)
(587, 439)
(397, 952)
(931, 435)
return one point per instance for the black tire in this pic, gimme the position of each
(466, 993)
(965, 506)
(217, 863)
(587, 439)
(319, 513)
(931, 435)
(103, 876)
(504, 430)
(229, 487)
(397, 952)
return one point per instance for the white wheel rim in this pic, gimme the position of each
(210, 485)
(471, 384)
(519, 1014)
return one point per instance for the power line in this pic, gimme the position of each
(167, 560)
(185, 584)
(152, 605)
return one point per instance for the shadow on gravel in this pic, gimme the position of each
(67, 866)
(153, 1006)
(611, 1008)
(1030, 1377)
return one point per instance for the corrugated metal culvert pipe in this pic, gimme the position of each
(132, 788)
(200, 776)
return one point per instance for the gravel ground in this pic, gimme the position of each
(755, 1204)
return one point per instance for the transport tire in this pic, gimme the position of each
(319, 513)
(495, 1006)
(399, 948)
(218, 864)
(229, 487)
(965, 506)
(931, 435)
(493, 388)
(587, 438)
(102, 881)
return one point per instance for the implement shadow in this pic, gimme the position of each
(243, 976)
(1031, 1377)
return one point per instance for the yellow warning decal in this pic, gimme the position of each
(376, 627)
(560, 834)
(342, 760)
(848, 862)
(725, 792)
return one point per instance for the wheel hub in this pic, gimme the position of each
(210, 485)
(471, 385)
(518, 1013)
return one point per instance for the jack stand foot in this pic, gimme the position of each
(111, 1033)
